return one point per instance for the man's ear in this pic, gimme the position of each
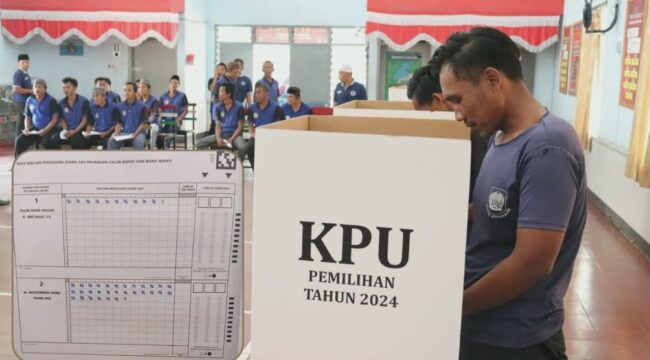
(494, 78)
(438, 103)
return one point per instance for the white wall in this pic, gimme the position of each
(606, 161)
(195, 32)
(46, 63)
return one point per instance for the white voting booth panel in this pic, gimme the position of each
(398, 93)
(359, 238)
(127, 255)
(389, 109)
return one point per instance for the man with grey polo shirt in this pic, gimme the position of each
(529, 203)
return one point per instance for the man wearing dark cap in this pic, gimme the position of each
(22, 89)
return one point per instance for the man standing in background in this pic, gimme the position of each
(22, 89)
(270, 82)
(245, 82)
(348, 89)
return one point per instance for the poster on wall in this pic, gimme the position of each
(400, 66)
(564, 60)
(632, 52)
(574, 59)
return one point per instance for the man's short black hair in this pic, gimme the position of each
(175, 77)
(294, 90)
(423, 85)
(228, 89)
(469, 53)
(133, 85)
(262, 85)
(99, 78)
(239, 61)
(221, 64)
(108, 81)
(70, 80)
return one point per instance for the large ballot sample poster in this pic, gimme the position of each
(127, 255)
(359, 238)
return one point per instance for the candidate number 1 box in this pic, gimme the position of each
(359, 238)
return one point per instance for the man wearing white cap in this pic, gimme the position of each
(348, 89)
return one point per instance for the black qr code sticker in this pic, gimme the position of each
(226, 160)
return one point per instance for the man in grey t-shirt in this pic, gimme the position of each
(529, 203)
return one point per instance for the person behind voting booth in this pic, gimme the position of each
(228, 119)
(173, 107)
(348, 89)
(22, 89)
(426, 95)
(294, 106)
(152, 105)
(75, 110)
(41, 119)
(262, 112)
(529, 204)
(103, 117)
(270, 82)
(133, 118)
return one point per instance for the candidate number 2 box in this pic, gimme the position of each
(358, 238)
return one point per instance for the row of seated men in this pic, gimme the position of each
(83, 123)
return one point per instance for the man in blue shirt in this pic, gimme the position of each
(22, 89)
(41, 118)
(219, 70)
(75, 110)
(270, 82)
(104, 115)
(294, 106)
(262, 112)
(152, 105)
(229, 120)
(233, 72)
(245, 82)
(132, 121)
(105, 83)
(348, 89)
(529, 204)
(173, 108)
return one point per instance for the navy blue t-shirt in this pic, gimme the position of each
(103, 118)
(355, 91)
(132, 115)
(303, 110)
(73, 115)
(23, 80)
(172, 104)
(241, 88)
(259, 117)
(274, 88)
(228, 119)
(41, 112)
(535, 181)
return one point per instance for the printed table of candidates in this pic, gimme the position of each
(128, 255)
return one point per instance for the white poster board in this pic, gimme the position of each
(359, 239)
(389, 109)
(127, 255)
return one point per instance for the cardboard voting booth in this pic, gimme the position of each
(359, 238)
(389, 109)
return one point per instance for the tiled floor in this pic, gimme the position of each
(607, 306)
